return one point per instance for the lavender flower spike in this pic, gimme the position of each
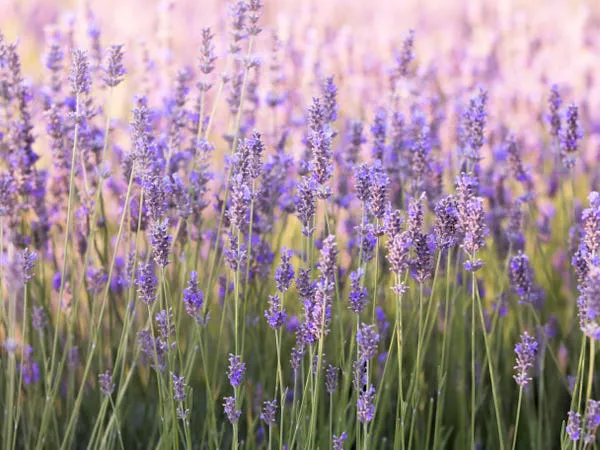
(525, 351)
(193, 298)
(570, 135)
(114, 70)
(233, 414)
(106, 385)
(81, 82)
(338, 441)
(367, 339)
(365, 405)
(236, 370)
(269, 411)
(592, 421)
(589, 304)
(574, 426)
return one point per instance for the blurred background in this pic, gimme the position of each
(515, 48)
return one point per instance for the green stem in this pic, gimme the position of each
(517, 419)
(492, 373)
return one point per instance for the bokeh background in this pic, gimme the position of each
(520, 45)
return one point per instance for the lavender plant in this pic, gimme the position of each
(296, 240)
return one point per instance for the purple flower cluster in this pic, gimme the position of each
(525, 352)
(236, 370)
(193, 298)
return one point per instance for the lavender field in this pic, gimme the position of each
(299, 225)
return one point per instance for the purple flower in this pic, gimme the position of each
(392, 223)
(365, 405)
(515, 222)
(367, 339)
(327, 261)
(235, 254)
(363, 176)
(574, 425)
(358, 297)
(554, 103)
(27, 263)
(284, 274)
(236, 370)
(422, 263)
(570, 135)
(399, 253)
(166, 327)
(297, 354)
(206, 61)
(592, 421)
(331, 378)
(475, 229)
(114, 70)
(232, 413)
(254, 7)
(378, 130)
(106, 385)
(379, 187)
(522, 279)
(146, 283)
(419, 153)
(269, 411)
(161, 242)
(525, 351)
(589, 304)
(193, 298)
(403, 57)
(359, 374)
(317, 313)
(514, 160)
(306, 204)
(179, 386)
(305, 287)
(474, 121)
(148, 347)
(590, 218)
(330, 107)
(466, 189)
(275, 314)
(240, 201)
(80, 79)
(30, 369)
(338, 441)
(446, 222)
(256, 149)
(415, 215)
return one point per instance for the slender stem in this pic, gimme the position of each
(588, 392)
(53, 360)
(492, 373)
(517, 419)
(442, 368)
(473, 379)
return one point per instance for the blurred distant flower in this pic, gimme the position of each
(106, 385)
(338, 441)
(269, 411)
(570, 135)
(114, 71)
(80, 78)
(554, 104)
